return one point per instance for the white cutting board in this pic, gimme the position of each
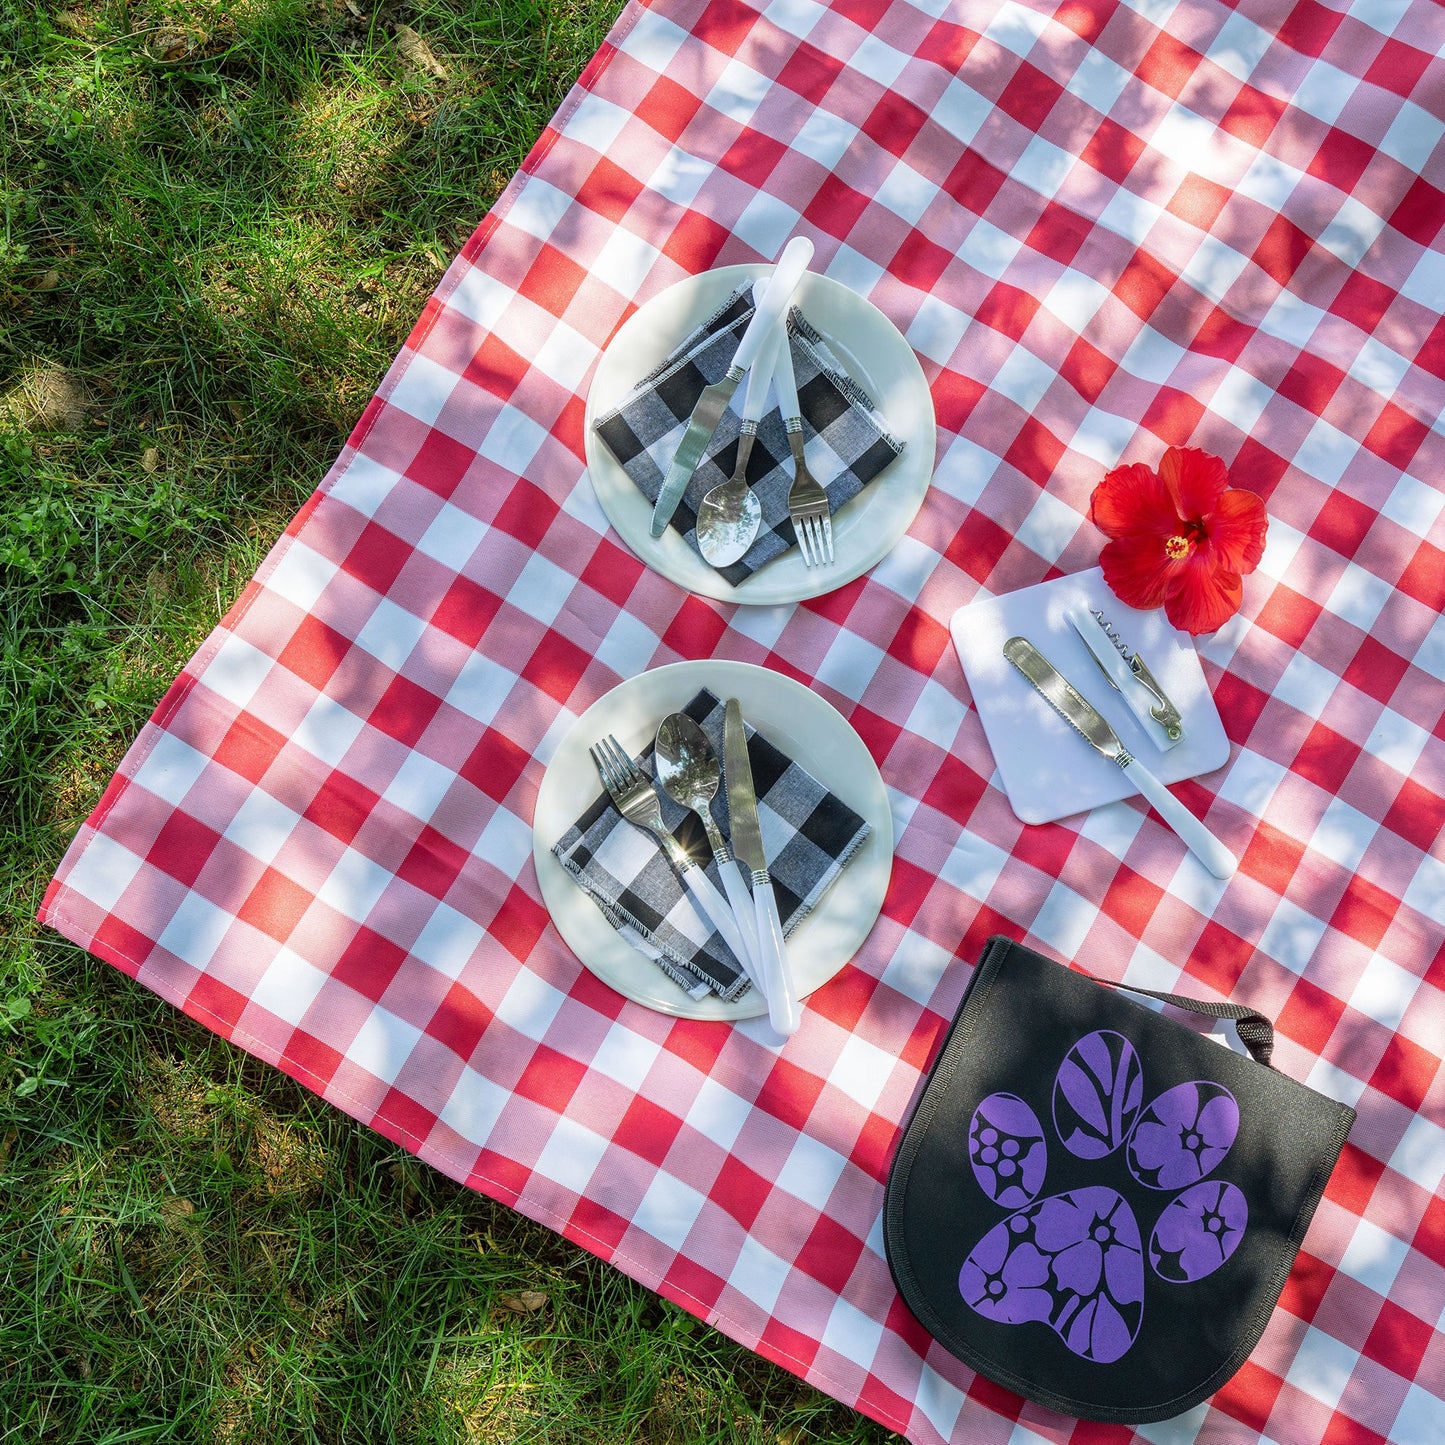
(1047, 768)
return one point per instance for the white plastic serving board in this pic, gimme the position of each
(1047, 768)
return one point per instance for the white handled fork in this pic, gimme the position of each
(632, 792)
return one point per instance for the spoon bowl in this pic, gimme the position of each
(689, 770)
(730, 514)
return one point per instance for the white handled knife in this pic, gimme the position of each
(1085, 720)
(747, 844)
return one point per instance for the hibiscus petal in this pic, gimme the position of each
(1202, 600)
(1194, 479)
(1132, 499)
(1236, 531)
(1138, 571)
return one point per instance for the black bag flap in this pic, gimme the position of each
(1095, 1205)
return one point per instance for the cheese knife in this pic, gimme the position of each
(715, 398)
(747, 844)
(1085, 720)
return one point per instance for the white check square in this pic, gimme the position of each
(1373, 1257)
(668, 1210)
(104, 871)
(195, 931)
(288, 987)
(170, 769)
(1291, 936)
(382, 1045)
(453, 537)
(448, 940)
(328, 730)
(571, 1154)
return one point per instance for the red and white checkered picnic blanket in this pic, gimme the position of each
(1104, 228)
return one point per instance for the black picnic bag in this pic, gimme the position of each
(1095, 1205)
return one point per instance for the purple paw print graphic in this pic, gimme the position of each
(1076, 1261)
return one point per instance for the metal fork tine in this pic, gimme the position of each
(630, 773)
(603, 764)
(828, 538)
(612, 774)
(815, 550)
(805, 542)
(602, 751)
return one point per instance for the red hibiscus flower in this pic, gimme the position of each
(1180, 538)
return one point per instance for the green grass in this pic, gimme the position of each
(217, 224)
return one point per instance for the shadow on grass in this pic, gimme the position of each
(219, 223)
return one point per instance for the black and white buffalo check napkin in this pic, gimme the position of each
(810, 836)
(847, 440)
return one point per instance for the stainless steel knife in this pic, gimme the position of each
(714, 400)
(1085, 720)
(747, 843)
(1125, 668)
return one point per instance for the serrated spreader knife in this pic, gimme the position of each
(715, 398)
(1092, 727)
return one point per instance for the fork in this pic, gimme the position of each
(632, 792)
(808, 507)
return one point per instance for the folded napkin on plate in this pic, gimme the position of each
(810, 835)
(847, 440)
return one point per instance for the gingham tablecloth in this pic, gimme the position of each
(1104, 228)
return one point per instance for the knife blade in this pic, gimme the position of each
(746, 837)
(708, 411)
(1124, 668)
(1085, 719)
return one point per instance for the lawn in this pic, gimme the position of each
(219, 222)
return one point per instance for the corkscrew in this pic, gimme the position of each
(1161, 709)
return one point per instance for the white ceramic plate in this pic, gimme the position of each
(874, 354)
(788, 715)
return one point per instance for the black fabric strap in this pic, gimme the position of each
(1255, 1031)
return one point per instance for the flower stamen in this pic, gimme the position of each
(1176, 548)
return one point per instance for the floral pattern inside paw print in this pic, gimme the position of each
(1076, 1261)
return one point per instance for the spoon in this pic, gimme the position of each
(689, 772)
(728, 517)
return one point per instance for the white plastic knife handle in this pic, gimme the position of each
(774, 304)
(715, 909)
(785, 379)
(778, 987)
(743, 910)
(1197, 838)
(760, 378)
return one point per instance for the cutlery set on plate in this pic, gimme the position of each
(730, 514)
(689, 771)
(1105, 646)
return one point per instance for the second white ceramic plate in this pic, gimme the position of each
(801, 723)
(874, 354)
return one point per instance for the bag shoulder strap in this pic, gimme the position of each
(1255, 1031)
